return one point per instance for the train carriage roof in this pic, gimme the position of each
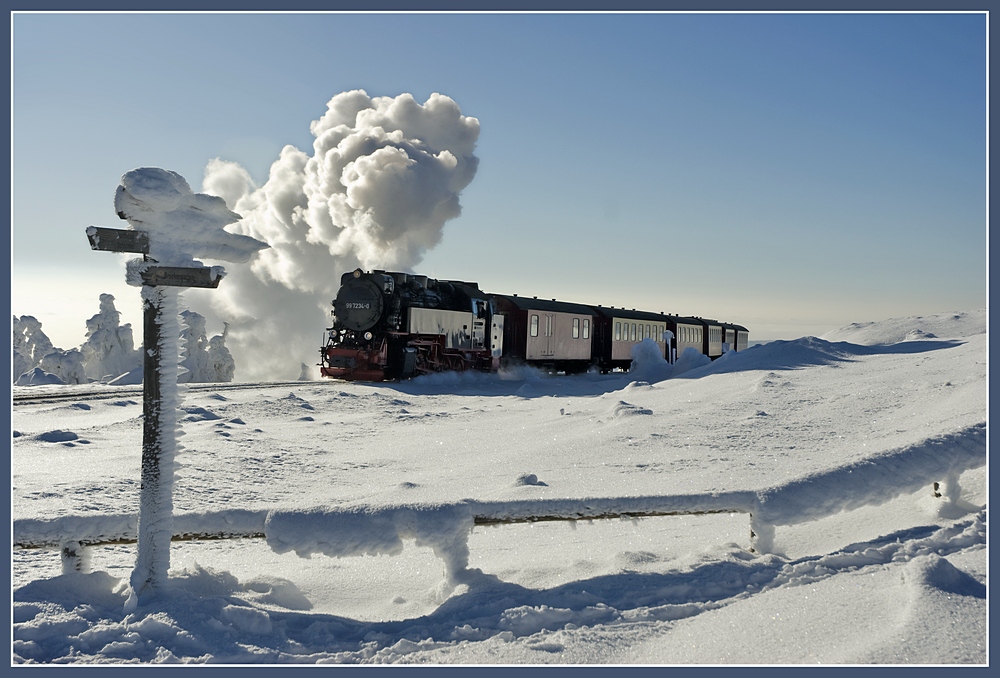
(611, 312)
(535, 304)
(705, 322)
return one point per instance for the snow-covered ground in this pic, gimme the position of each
(833, 445)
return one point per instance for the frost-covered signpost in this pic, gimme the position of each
(170, 226)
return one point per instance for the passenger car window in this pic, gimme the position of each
(534, 325)
(576, 328)
(586, 328)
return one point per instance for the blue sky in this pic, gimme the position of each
(791, 172)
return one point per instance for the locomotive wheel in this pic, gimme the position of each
(427, 361)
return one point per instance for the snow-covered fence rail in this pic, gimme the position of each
(371, 530)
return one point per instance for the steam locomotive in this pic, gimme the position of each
(389, 326)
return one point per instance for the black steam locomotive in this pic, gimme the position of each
(397, 325)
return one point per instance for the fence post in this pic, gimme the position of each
(761, 535)
(74, 558)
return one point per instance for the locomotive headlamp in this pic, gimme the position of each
(368, 336)
(357, 273)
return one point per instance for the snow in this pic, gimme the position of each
(362, 511)
(896, 330)
(181, 224)
(38, 377)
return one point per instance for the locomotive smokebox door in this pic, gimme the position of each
(359, 304)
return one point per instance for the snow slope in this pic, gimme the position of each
(833, 445)
(896, 330)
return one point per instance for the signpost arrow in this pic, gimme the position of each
(118, 240)
(180, 276)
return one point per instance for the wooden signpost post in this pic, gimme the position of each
(155, 502)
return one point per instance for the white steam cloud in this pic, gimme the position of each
(383, 178)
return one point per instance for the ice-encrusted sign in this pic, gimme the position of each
(170, 227)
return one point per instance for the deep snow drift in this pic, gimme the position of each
(833, 447)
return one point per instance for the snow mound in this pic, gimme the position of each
(57, 436)
(808, 352)
(648, 363)
(528, 479)
(130, 378)
(623, 409)
(38, 377)
(690, 359)
(913, 328)
(933, 572)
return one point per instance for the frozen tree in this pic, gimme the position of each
(193, 347)
(38, 361)
(108, 351)
(30, 344)
(20, 365)
(220, 359)
(67, 365)
(21, 361)
(206, 360)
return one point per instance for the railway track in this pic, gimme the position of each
(84, 392)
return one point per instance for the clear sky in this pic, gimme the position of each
(789, 172)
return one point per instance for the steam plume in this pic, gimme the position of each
(383, 178)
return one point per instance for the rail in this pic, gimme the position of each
(35, 395)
